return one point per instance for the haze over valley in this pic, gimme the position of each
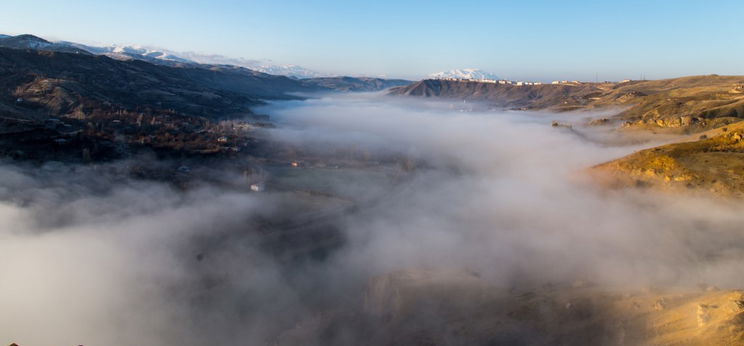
(154, 197)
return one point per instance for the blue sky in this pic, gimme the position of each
(533, 40)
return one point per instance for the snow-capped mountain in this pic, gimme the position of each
(265, 66)
(146, 52)
(465, 73)
(124, 52)
(159, 55)
(129, 52)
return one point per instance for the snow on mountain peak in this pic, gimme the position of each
(265, 66)
(465, 73)
(128, 52)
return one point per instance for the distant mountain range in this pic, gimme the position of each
(466, 73)
(159, 55)
(307, 80)
(265, 66)
(145, 53)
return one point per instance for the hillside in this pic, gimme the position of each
(689, 104)
(710, 164)
(91, 107)
(352, 84)
(546, 96)
(435, 307)
(682, 105)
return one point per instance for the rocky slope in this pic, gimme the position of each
(546, 96)
(711, 163)
(687, 104)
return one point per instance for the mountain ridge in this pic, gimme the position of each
(155, 55)
(676, 105)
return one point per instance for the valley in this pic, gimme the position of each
(696, 109)
(217, 203)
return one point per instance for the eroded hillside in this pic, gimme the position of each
(682, 105)
(711, 163)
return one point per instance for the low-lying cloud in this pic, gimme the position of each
(91, 258)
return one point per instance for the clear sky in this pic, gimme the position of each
(534, 40)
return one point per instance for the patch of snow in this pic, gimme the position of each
(265, 66)
(465, 73)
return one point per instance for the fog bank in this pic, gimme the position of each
(92, 258)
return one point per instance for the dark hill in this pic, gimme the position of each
(38, 43)
(79, 106)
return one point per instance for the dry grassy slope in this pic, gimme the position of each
(459, 308)
(691, 104)
(687, 104)
(557, 97)
(709, 163)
